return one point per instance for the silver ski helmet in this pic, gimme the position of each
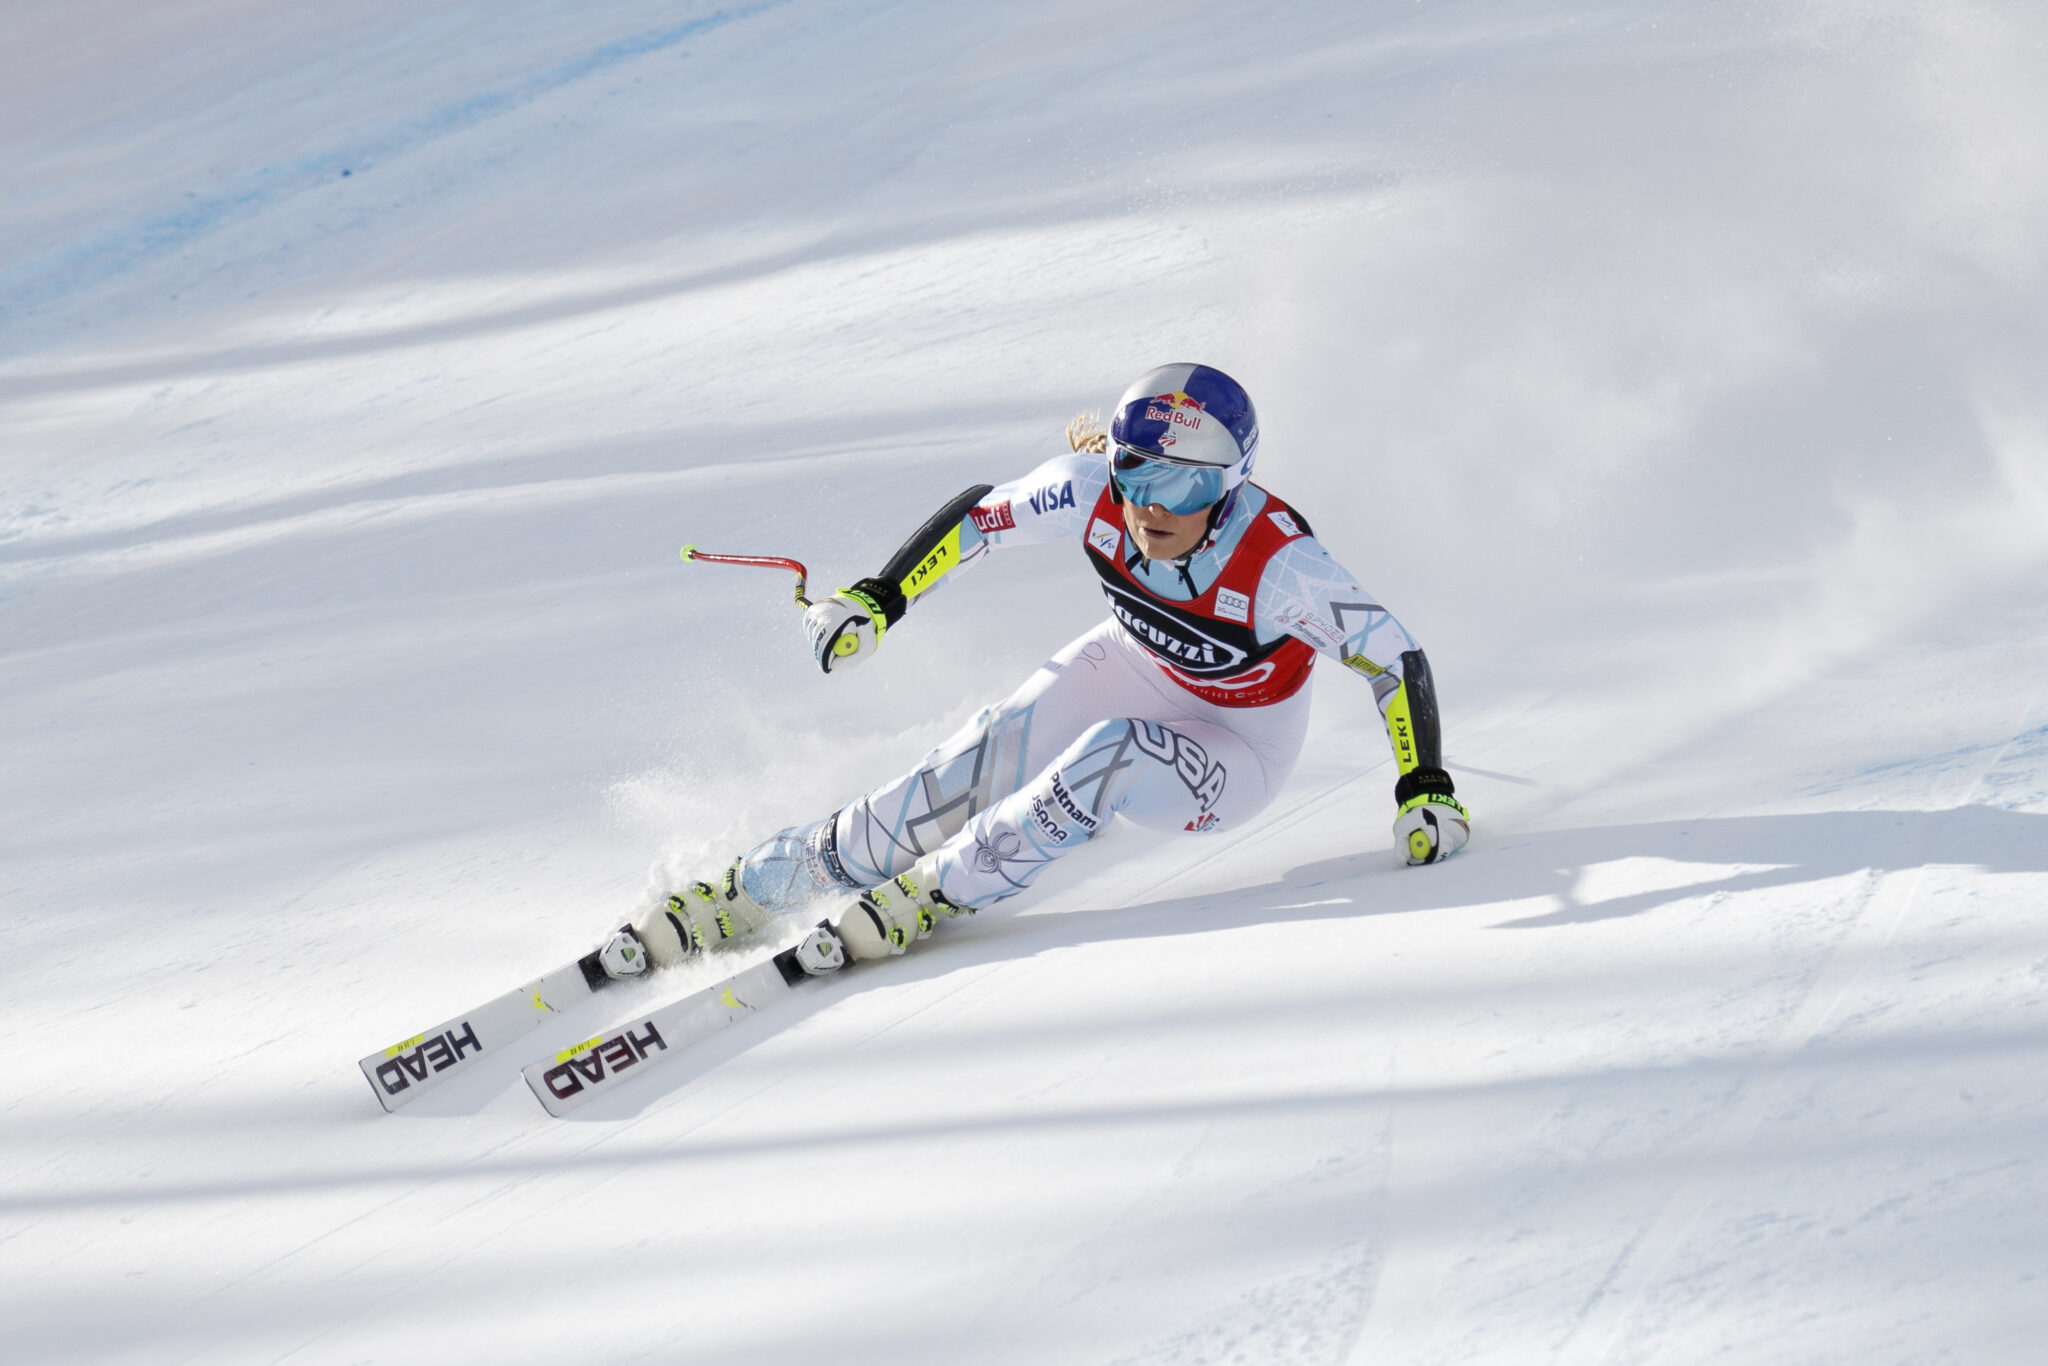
(1183, 437)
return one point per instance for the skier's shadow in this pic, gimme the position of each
(1537, 873)
(1549, 867)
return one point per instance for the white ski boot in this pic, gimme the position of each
(702, 915)
(887, 919)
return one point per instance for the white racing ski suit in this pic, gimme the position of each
(1184, 712)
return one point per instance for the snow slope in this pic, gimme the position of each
(1673, 369)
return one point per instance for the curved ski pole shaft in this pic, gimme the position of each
(690, 552)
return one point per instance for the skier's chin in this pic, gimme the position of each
(1155, 545)
(1163, 536)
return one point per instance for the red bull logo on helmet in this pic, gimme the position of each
(1176, 408)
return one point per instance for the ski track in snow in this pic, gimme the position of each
(1881, 911)
(1672, 370)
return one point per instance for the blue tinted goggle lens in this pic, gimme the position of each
(1180, 489)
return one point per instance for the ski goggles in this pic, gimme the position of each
(1148, 481)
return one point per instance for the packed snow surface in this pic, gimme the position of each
(1674, 370)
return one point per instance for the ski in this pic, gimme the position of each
(575, 1076)
(401, 1073)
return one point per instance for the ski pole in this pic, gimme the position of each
(690, 552)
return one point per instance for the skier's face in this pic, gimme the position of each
(1162, 535)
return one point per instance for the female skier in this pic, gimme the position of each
(1184, 711)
